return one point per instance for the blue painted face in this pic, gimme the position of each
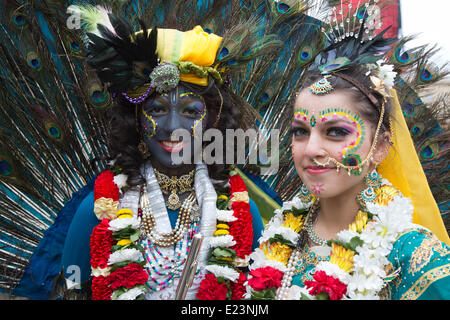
(162, 114)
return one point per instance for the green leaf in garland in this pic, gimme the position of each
(352, 245)
(355, 242)
(224, 253)
(135, 236)
(304, 297)
(279, 238)
(267, 294)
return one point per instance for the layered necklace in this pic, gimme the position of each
(166, 252)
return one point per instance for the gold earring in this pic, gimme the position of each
(143, 149)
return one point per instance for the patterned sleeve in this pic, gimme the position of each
(422, 265)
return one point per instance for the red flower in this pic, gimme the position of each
(238, 288)
(265, 278)
(328, 284)
(237, 184)
(100, 242)
(242, 229)
(105, 186)
(101, 289)
(129, 276)
(211, 289)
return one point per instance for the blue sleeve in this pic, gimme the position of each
(257, 223)
(76, 253)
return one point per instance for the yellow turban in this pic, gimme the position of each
(194, 46)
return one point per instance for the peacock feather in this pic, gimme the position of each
(53, 106)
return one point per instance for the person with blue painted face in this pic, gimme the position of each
(148, 206)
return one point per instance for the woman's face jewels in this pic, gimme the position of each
(337, 131)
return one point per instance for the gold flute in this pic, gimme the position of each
(190, 268)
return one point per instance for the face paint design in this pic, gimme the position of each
(301, 114)
(162, 114)
(357, 127)
(149, 125)
(317, 188)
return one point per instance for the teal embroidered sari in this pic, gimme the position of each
(418, 269)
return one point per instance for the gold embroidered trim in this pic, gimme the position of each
(425, 281)
(423, 253)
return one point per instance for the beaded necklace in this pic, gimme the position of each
(162, 268)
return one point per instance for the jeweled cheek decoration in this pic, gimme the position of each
(351, 162)
(348, 156)
(317, 188)
(149, 125)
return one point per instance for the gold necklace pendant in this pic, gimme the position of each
(176, 185)
(173, 202)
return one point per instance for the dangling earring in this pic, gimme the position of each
(305, 195)
(373, 182)
(143, 149)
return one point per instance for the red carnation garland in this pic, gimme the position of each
(106, 196)
(326, 286)
(242, 231)
(242, 228)
(238, 288)
(105, 186)
(211, 289)
(129, 276)
(265, 278)
(101, 241)
(133, 274)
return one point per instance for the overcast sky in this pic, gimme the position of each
(431, 20)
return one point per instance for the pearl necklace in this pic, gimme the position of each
(159, 265)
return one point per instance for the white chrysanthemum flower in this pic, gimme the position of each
(295, 293)
(222, 271)
(129, 254)
(119, 224)
(369, 264)
(225, 215)
(260, 261)
(347, 235)
(286, 233)
(222, 241)
(120, 180)
(386, 73)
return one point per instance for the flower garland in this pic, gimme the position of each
(231, 245)
(117, 260)
(356, 269)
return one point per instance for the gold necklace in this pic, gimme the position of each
(176, 185)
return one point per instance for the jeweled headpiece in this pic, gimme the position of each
(354, 43)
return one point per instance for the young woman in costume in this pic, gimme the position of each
(365, 224)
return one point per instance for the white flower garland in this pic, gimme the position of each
(376, 239)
